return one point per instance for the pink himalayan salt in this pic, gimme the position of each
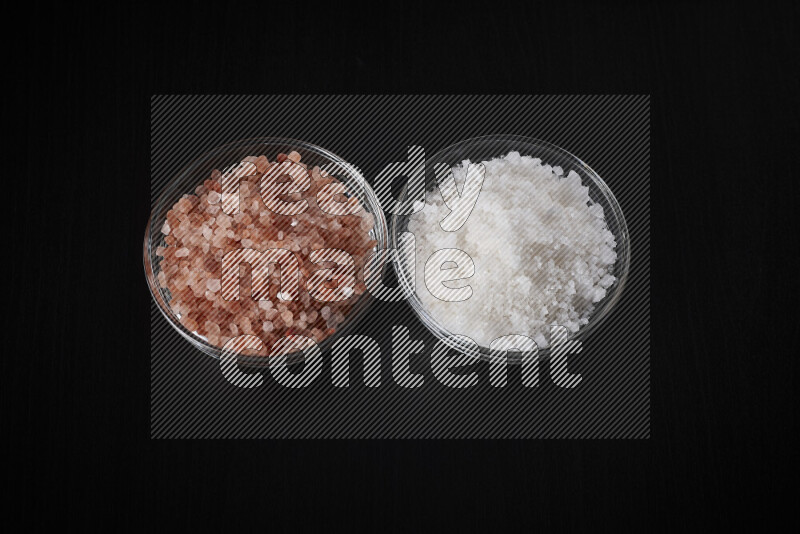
(198, 233)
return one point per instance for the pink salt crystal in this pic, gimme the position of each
(218, 241)
(287, 317)
(165, 229)
(189, 323)
(246, 326)
(325, 312)
(213, 284)
(294, 156)
(367, 222)
(265, 304)
(224, 221)
(160, 251)
(213, 197)
(262, 164)
(184, 205)
(162, 279)
(182, 252)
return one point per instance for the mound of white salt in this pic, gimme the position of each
(542, 251)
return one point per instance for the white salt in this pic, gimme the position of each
(541, 249)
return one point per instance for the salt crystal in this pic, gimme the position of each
(213, 284)
(247, 328)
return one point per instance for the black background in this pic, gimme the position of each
(723, 81)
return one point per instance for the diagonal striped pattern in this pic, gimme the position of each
(190, 396)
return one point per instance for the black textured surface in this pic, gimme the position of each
(724, 88)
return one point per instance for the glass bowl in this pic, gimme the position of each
(485, 148)
(221, 158)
